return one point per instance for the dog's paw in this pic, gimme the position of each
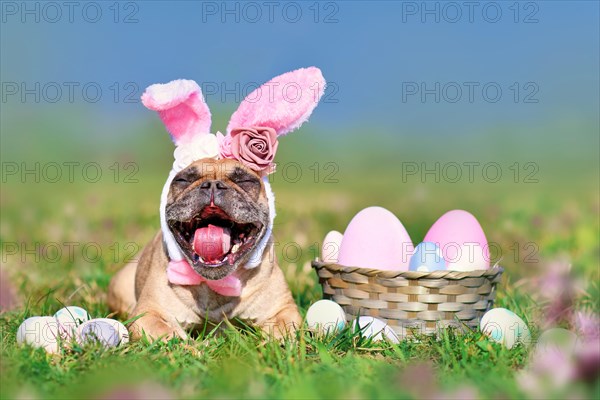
(284, 324)
(155, 327)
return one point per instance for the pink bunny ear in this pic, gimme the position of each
(283, 103)
(181, 107)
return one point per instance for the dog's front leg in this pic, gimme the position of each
(155, 325)
(284, 324)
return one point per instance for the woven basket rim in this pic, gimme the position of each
(333, 267)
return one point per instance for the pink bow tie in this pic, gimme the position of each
(181, 273)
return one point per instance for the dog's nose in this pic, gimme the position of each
(215, 189)
(213, 185)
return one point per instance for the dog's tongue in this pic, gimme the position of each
(212, 242)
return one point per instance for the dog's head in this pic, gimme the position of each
(217, 208)
(218, 212)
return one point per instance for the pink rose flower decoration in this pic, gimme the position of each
(224, 145)
(254, 147)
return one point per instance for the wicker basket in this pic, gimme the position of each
(411, 302)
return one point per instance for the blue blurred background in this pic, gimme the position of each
(513, 85)
(367, 51)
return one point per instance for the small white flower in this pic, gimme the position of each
(203, 146)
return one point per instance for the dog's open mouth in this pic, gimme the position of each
(213, 239)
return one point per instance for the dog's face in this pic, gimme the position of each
(218, 212)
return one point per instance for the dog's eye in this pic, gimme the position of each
(247, 184)
(181, 181)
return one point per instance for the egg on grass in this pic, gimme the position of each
(376, 329)
(505, 327)
(40, 332)
(99, 331)
(326, 316)
(69, 318)
(119, 327)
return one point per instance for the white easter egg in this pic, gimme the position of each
(40, 332)
(468, 257)
(98, 331)
(506, 327)
(120, 328)
(72, 314)
(326, 316)
(331, 247)
(69, 318)
(376, 329)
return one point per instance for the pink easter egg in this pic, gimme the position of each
(331, 247)
(376, 239)
(457, 232)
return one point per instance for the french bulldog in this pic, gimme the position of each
(218, 213)
(213, 259)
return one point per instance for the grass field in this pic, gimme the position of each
(535, 224)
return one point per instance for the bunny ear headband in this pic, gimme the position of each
(272, 110)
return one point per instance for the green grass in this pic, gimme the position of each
(559, 216)
(240, 363)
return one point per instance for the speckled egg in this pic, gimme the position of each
(505, 327)
(98, 331)
(326, 316)
(427, 258)
(69, 318)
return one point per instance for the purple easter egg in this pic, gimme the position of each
(99, 331)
